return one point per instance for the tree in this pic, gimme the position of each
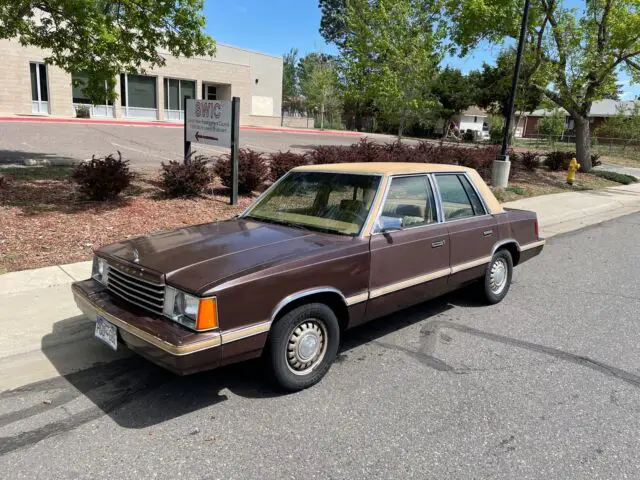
(552, 126)
(290, 88)
(318, 78)
(333, 22)
(106, 37)
(581, 48)
(390, 50)
(455, 92)
(493, 87)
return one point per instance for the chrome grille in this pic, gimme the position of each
(142, 293)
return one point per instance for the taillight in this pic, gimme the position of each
(535, 227)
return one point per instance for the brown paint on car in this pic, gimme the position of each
(257, 270)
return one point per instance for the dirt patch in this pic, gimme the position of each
(523, 184)
(42, 222)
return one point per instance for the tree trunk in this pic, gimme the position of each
(322, 117)
(446, 127)
(583, 143)
(403, 121)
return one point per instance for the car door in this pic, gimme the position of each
(472, 230)
(409, 248)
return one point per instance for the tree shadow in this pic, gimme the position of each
(19, 157)
(40, 189)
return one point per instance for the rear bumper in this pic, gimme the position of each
(530, 250)
(161, 341)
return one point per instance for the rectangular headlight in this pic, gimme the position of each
(193, 312)
(100, 270)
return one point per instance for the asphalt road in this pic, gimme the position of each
(144, 146)
(545, 385)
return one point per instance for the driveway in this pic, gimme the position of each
(544, 385)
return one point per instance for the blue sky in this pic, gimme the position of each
(275, 26)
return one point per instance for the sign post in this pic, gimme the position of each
(214, 122)
(235, 144)
(187, 144)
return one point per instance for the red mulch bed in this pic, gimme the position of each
(42, 222)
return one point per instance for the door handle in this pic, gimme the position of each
(487, 233)
(438, 244)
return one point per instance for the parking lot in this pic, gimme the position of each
(144, 146)
(544, 385)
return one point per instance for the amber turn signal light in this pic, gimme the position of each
(207, 314)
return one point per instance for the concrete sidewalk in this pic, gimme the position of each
(43, 334)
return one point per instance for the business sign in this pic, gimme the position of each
(208, 122)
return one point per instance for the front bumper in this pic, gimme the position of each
(163, 342)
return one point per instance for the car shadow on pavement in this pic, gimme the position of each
(137, 394)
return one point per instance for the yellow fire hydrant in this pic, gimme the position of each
(574, 166)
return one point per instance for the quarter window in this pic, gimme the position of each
(459, 199)
(409, 203)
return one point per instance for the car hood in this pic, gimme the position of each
(197, 257)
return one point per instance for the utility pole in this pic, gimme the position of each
(502, 165)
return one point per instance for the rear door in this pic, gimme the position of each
(472, 230)
(409, 248)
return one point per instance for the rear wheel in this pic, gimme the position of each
(497, 277)
(302, 346)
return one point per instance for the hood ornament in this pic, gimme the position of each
(136, 255)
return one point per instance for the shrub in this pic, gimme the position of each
(185, 179)
(328, 154)
(83, 111)
(282, 162)
(528, 161)
(252, 170)
(102, 178)
(558, 160)
(595, 160)
(615, 176)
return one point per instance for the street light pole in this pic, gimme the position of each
(501, 166)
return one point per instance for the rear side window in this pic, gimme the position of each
(459, 200)
(478, 208)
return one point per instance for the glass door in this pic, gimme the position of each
(39, 88)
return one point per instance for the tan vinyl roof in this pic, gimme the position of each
(383, 168)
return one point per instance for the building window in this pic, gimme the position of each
(79, 82)
(39, 88)
(138, 95)
(174, 92)
(475, 119)
(209, 92)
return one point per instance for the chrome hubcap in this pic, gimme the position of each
(306, 347)
(498, 277)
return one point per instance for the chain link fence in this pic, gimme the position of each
(605, 146)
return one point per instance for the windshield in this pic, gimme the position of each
(323, 201)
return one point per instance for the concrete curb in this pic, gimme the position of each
(160, 123)
(25, 280)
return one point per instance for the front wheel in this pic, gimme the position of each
(497, 277)
(302, 346)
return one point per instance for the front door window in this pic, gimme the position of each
(409, 203)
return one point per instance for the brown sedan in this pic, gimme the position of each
(326, 248)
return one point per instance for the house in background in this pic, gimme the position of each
(528, 127)
(473, 118)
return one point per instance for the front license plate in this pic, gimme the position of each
(107, 332)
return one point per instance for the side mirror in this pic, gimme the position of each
(388, 224)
